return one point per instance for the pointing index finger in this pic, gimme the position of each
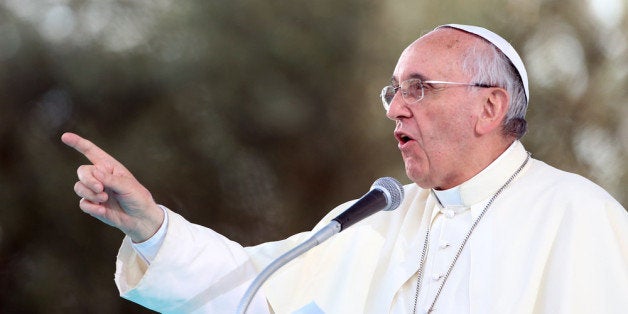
(93, 153)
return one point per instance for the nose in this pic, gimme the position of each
(398, 108)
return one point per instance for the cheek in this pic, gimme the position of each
(435, 129)
(448, 127)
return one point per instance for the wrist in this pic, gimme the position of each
(148, 226)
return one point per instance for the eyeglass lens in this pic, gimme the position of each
(411, 91)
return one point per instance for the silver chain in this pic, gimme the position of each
(464, 241)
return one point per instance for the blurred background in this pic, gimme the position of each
(254, 118)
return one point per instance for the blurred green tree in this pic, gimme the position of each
(253, 117)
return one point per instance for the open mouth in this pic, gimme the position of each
(402, 137)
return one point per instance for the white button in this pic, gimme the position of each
(444, 245)
(449, 213)
(437, 277)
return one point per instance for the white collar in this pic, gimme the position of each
(450, 197)
(486, 182)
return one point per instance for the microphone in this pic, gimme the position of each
(385, 194)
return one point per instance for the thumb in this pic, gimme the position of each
(117, 184)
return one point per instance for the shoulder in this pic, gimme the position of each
(561, 187)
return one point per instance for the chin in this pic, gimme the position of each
(421, 179)
(423, 184)
(418, 170)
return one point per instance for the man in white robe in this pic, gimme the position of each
(484, 228)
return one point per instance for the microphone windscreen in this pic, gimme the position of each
(393, 190)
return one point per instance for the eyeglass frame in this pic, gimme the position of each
(422, 82)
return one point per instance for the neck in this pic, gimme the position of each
(486, 181)
(474, 161)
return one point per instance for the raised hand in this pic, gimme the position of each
(110, 193)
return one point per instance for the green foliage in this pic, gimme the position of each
(251, 117)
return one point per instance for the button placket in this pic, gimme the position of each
(442, 254)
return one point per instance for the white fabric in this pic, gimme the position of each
(447, 233)
(450, 222)
(553, 242)
(196, 270)
(449, 196)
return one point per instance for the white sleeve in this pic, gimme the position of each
(194, 270)
(149, 248)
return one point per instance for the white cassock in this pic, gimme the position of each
(551, 242)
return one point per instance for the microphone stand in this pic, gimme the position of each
(385, 194)
(319, 237)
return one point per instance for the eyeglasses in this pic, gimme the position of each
(413, 90)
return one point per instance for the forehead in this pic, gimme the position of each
(437, 55)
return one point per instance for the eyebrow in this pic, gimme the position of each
(415, 75)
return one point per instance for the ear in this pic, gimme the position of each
(493, 111)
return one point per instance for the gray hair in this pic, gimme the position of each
(488, 65)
